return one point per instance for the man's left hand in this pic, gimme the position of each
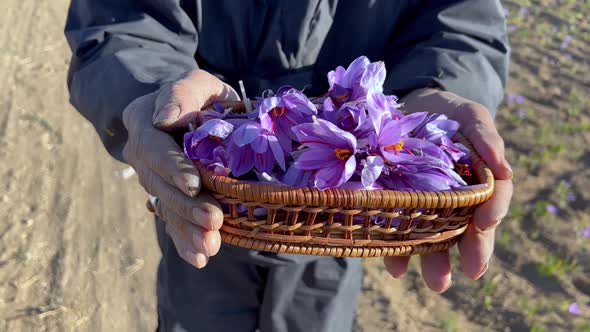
(477, 243)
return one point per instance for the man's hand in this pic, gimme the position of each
(477, 243)
(193, 218)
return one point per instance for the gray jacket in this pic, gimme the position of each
(123, 49)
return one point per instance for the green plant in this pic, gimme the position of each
(449, 324)
(555, 266)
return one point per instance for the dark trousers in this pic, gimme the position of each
(245, 290)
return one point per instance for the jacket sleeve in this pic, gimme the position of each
(459, 46)
(123, 49)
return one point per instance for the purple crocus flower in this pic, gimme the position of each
(574, 309)
(354, 82)
(278, 114)
(199, 144)
(219, 162)
(391, 138)
(521, 113)
(434, 127)
(419, 177)
(519, 99)
(330, 152)
(555, 29)
(456, 151)
(253, 146)
(568, 38)
(511, 28)
(552, 209)
(350, 117)
(571, 197)
(586, 232)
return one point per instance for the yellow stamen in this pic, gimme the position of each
(342, 96)
(342, 154)
(396, 147)
(278, 111)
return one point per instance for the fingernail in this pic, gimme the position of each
(482, 272)
(182, 185)
(447, 288)
(164, 116)
(188, 186)
(206, 218)
(492, 225)
(194, 184)
(201, 260)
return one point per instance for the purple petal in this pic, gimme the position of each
(377, 108)
(574, 309)
(216, 127)
(372, 170)
(246, 133)
(323, 134)
(264, 162)
(297, 178)
(355, 185)
(312, 159)
(277, 151)
(373, 77)
(241, 159)
(260, 144)
(355, 72)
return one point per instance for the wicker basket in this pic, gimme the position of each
(337, 222)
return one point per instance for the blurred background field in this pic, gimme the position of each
(78, 250)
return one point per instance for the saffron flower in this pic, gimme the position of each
(354, 82)
(574, 309)
(329, 151)
(281, 112)
(419, 177)
(253, 146)
(552, 209)
(586, 232)
(199, 144)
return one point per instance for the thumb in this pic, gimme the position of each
(178, 103)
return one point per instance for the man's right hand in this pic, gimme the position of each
(193, 218)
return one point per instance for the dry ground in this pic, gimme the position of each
(78, 250)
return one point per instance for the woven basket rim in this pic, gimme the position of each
(351, 198)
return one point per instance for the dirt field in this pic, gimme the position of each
(78, 250)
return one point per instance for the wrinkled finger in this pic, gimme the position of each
(185, 249)
(202, 210)
(397, 266)
(202, 240)
(159, 152)
(179, 102)
(436, 270)
(489, 214)
(475, 249)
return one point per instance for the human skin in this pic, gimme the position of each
(193, 217)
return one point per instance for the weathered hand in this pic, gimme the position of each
(192, 217)
(477, 243)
